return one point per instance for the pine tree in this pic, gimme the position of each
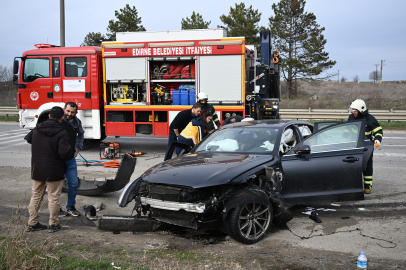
(300, 42)
(195, 22)
(127, 21)
(90, 39)
(243, 22)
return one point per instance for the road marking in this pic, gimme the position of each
(394, 145)
(390, 154)
(14, 133)
(15, 144)
(16, 140)
(395, 138)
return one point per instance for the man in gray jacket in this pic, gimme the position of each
(73, 126)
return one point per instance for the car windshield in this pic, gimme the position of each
(240, 140)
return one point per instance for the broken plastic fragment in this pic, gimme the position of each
(361, 209)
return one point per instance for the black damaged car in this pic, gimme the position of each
(246, 174)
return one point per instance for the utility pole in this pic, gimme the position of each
(376, 73)
(62, 16)
(382, 61)
(338, 76)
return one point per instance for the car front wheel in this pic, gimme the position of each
(249, 223)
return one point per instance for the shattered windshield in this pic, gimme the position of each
(241, 140)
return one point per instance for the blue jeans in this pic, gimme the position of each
(71, 175)
(172, 138)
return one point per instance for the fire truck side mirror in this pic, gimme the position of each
(15, 67)
(15, 77)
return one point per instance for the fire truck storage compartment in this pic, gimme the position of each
(126, 69)
(170, 73)
(126, 92)
(221, 78)
(120, 123)
(172, 68)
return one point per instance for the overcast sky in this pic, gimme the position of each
(359, 33)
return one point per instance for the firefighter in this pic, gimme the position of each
(202, 99)
(373, 131)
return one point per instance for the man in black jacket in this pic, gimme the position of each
(50, 148)
(179, 123)
(373, 131)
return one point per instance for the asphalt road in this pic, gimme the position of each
(375, 225)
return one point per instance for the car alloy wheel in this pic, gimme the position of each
(248, 223)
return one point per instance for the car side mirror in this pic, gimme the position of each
(303, 150)
(15, 67)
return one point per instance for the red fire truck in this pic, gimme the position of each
(139, 83)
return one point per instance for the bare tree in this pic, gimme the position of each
(8, 90)
(355, 79)
(343, 79)
(375, 75)
(6, 74)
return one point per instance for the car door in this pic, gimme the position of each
(332, 171)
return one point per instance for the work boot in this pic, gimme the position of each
(36, 227)
(367, 189)
(73, 212)
(55, 228)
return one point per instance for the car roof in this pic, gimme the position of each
(279, 123)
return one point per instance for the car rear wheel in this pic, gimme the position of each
(249, 223)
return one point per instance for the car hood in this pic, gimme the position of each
(203, 169)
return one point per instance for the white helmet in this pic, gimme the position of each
(202, 96)
(359, 105)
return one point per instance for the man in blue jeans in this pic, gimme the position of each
(76, 135)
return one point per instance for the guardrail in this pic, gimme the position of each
(9, 111)
(310, 113)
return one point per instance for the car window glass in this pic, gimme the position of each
(35, 68)
(335, 138)
(241, 140)
(75, 67)
(55, 67)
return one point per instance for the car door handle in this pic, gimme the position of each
(350, 159)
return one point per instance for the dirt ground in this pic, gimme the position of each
(281, 244)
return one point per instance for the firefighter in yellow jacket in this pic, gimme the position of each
(195, 131)
(373, 131)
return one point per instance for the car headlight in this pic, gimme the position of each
(275, 106)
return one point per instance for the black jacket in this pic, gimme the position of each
(208, 107)
(181, 120)
(49, 149)
(237, 117)
(373, 130)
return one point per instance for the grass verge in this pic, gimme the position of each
(10, 118)
(77, 257)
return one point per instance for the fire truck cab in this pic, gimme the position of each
(51, 76)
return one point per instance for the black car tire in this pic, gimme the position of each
(248, 223)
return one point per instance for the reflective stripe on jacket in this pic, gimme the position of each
(195, 133)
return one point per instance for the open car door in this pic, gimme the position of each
(327, 166)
